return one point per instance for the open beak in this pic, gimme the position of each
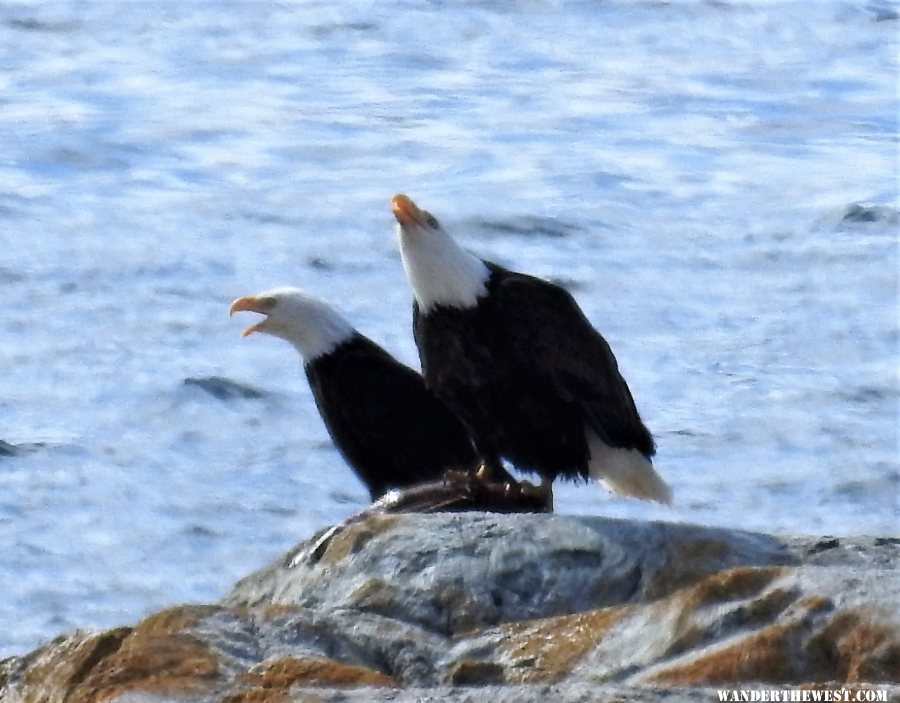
(406, 211)
(252, 303)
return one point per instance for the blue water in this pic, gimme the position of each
(717, 182)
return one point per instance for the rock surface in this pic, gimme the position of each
(8, 449)
(222, 388)
(525, 607)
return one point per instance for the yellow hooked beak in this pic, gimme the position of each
(253, 303)
(406, 211)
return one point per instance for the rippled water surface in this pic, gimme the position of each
(715, 181)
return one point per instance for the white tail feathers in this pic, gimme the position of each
(626, 471)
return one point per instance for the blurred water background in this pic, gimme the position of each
(716, 182)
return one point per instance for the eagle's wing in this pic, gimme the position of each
(551, 335)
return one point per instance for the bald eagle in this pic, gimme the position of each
(518, 361)
(391, 430)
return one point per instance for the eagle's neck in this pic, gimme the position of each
(320, 332)
(440, 271)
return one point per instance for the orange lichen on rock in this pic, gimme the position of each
(764, 656)
(856, 649)
(174, 620)
(155, 656)
(741, 584)
(66, 661)
(152, 663)
(547, 649)
(732, 584)
(284, 672)
(270, 611)
(847, 648)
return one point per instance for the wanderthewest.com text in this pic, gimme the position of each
(796, 695)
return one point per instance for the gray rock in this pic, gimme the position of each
(8, 449)
(449, 573)
(222, 388)
(467, 607)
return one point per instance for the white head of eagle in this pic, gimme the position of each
(310, 324)
(439, 270)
